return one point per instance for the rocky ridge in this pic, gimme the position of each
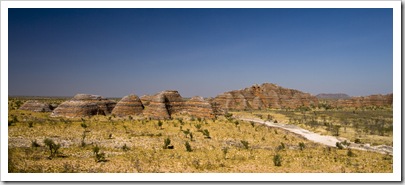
(377, 100)
(263, 96)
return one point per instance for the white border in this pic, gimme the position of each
(395, 176)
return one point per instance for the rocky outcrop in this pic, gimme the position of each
(83, 105)
(198, 107)
(164, 104)
(127, 106)
(36, 106)
(366, 101)
(263, 96)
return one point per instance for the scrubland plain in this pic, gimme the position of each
(38, 143)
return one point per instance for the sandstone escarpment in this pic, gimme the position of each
(164, 104)
(36, 106)
(128, 105)
(264, 96)
(199, 107)
(83, 105)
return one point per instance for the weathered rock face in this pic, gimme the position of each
(128, 105)
(164, 104)
(145, 99)
(357, 102)
(83, 105)
(199, 107)
(263, 96)
(36, 106)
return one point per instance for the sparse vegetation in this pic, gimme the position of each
(206, 133)
(53, 147)
(245, 144)
(277, 160)
(140, 147)
(99, 156)
(188, 147)
(301, 145)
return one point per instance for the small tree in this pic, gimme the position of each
(160, 124)
(277, 160)
(53, 147)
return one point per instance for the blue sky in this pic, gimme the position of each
(116, 52)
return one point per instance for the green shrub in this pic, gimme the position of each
(346, 143)
(350, 153)
(34, 144)
(277, 160)
(160, 124)
(245, 144)
(100, 157)
(228, 115)
(281, 146)
(224, 151)
(53, 147)
(339, 145)
(30, 124)
(301, 145)
(125, 147)
(198, 127)
(188, 147)
(206, 133)
(357, 140)
(166, 143)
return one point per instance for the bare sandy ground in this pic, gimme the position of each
(325, 140)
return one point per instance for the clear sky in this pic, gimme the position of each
(205, 52)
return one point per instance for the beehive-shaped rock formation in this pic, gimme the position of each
(164, 104)
(198, 107)
(36, 106)
(264, 96)
(83, 105)
(146, 99)
(128, 105)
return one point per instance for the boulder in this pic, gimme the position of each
(82, 105)
(128, 105)
(36, 106)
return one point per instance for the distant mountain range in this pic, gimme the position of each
(332, 96)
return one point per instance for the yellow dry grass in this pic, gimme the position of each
(145, 141)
